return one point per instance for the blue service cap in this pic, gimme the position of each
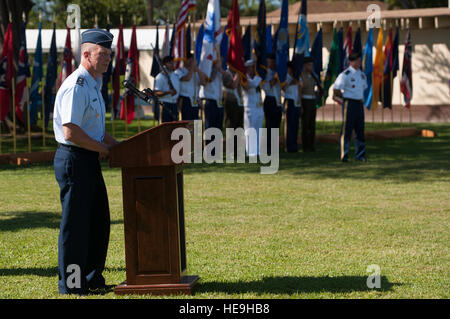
(97, 36)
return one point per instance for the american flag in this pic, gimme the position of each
(180, 38)
(406, 81)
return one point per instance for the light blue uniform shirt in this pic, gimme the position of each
(79, 101)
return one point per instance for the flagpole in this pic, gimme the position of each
(139, 114)
(323, 118)
(28, 118)
(334, 116)
(400, 104)
(410, 114)
(13, 90)
(27, 92)
(392, 93)
(382, 101)
(42, 103)
(110, 82)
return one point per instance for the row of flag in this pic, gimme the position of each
(212, 40)
(235, 49)
(379, 72)
(19, 90)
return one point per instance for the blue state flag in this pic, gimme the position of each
(367, 64)
(246, 44)
(316, 53)
(269, 42)
(224, 49)
(199, 42)
(302, 37)
(357, 45)
(341, 51)
(35, 97)
(50, 78)
(282, 43)
(260, 47)
(301, 48)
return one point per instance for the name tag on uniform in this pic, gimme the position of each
(97, 116)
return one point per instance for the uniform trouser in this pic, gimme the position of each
(188, 112)
(308, 124)
(213, 114)
(213, 117)
(234, 117)
(234, 113)
(85, 224)
(353, 119)
(253, 122)
(169, 112)
(292, 124)
(156, 107)
(273, 114)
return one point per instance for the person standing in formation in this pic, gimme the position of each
(253, 112)
(292, 94)
(167, 88)
(349, 87)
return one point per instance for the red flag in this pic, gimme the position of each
(22, 73)
(235, 57)
(66, 63)
(6, 72)
(119, 69)
(347, 46)
(132, 75)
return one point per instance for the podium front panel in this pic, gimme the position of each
(153, 214)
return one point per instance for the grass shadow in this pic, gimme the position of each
(41, 272)
(403, 160)
(292, 285)
(17, 221)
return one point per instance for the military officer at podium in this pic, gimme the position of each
(79, 128)
(349, 87)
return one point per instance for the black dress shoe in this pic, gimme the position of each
(100, 289)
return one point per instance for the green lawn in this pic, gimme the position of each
(309, 231)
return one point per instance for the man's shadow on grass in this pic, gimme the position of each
(16, 221)
(42, 271)
(293, 285)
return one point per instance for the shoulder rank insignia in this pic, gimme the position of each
(80, 81)
(347, 72)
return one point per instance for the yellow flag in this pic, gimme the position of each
(378, 67)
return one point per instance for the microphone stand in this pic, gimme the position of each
(147, 95)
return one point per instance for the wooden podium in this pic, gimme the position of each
(152, 185)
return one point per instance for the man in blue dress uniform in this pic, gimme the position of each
(79, 127)
(349, 87)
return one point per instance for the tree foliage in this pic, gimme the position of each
(163, 10)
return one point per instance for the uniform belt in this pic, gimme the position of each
(78, 149)
(354, 100)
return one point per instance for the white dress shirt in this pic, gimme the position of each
(162, 84)
(352, 83)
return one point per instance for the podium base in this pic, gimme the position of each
(184, 287)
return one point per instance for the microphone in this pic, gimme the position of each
(136, 92)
